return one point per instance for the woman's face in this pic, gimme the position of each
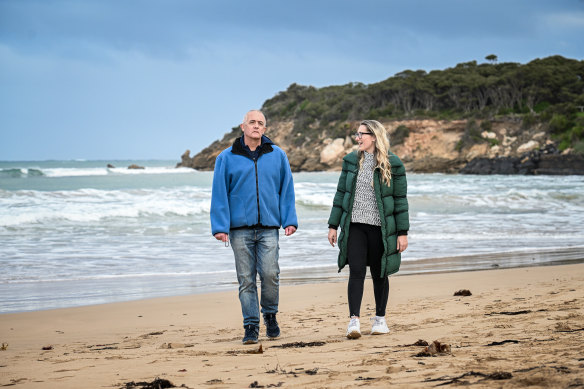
(365, 139)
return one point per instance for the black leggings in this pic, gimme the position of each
(365, 248)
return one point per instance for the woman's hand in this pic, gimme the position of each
(402, 243)
(332, 236)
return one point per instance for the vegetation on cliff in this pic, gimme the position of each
(508, 118)
(547, 91)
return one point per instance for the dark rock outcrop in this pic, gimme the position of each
(186, 160)
(435, 165)
(499, 165)
(570, 164)
(546, 160)
(205, 159)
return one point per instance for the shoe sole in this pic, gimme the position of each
(250, 342)
(354, 335)
(379, 333)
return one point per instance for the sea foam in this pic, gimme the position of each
(91, 205)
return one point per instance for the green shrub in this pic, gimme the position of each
(447, 115)
(472, 135)
(288, 109)
(564, 144)
(399, 135)
(384, 112)
(459, 146)
(541, 106)
(340, 130)
(576, 133)
(473, 131)
(579, 147)
(528, 121)
(303, 105)
(558, 124)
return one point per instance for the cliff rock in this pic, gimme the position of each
(500, 146)
(333, 151)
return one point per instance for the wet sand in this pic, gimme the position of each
(521, 327)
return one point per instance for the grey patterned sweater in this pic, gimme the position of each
(365, 206)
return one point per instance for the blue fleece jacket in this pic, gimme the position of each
(248, 193)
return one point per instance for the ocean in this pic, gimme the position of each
(78, 233)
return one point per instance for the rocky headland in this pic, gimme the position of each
(502, 146)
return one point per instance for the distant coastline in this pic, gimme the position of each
(426, 146)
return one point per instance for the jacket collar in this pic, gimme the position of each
(264, 148)
(352, 157)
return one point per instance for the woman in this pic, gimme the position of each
(371, 208)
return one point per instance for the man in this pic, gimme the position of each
(253, 196)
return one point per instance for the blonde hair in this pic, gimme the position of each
(381, 149)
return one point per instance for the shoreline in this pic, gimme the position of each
(195, 340)
(79, 293)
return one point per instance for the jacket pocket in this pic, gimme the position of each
(237, 209)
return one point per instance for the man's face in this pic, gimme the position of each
(254, 126)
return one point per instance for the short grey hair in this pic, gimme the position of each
(254, 110)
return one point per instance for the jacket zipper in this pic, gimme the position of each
(255, 162)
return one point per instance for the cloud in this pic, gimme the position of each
(565, 20)
(134, 69)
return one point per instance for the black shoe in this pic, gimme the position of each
(251, 334)
(272, 329)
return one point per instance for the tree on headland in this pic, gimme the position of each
(491, 58)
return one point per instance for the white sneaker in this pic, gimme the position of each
(354, 329)
(379, 326)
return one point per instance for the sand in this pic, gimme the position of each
(521, 327)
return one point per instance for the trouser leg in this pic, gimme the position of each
(268, 269)
(357, 259)
(244, 249)
(380, 284)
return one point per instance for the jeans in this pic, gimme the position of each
(256, 252)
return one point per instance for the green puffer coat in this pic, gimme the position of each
(391, 202)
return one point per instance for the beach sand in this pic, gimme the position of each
(521, 327)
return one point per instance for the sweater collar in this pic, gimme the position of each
(368, 156)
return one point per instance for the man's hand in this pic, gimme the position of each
(289, 230)
(402, 243)
(332, 236)
(223, 237)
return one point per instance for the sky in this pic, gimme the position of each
(148, 79)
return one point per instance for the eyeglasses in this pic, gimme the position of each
(360, 134)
